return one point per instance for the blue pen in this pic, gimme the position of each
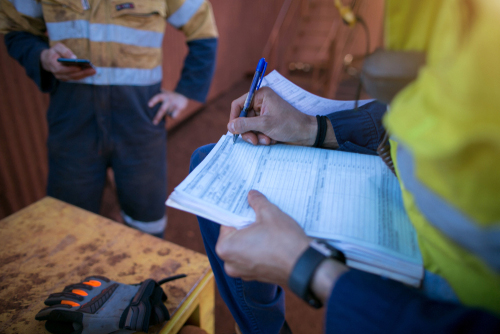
(257, 80)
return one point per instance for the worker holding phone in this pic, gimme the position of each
(111, 114)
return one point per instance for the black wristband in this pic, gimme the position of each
(322, 128)
(303, 271)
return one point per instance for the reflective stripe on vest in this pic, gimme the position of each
(184, 13)
(124, 76)
(98, 32)
(484, 242)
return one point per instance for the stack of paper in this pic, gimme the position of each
(353, 200)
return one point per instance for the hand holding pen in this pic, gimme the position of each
(272, 120)
(257, 80)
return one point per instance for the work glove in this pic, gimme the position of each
(99, 305)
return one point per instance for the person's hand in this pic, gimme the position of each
(271, 119)
(266, 250)
(48, 59)
(172, 104)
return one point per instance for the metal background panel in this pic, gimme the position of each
(23, 133)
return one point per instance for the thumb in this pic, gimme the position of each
(258, 201)
(246, 124)
(64, 51)
(226, 231)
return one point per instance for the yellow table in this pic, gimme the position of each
(51, 244)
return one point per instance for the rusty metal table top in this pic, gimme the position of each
(51, 244)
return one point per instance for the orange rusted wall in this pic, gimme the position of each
(23, 132)
(23, 129)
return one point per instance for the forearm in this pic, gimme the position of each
(357, 131)
(201, 33)
(26, 48)
(323, 281)
(330, 139)
(199, 67)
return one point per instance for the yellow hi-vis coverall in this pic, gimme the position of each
(445, 128)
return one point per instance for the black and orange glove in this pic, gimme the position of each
(100, 306)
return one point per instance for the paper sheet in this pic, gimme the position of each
(303, 100)
(334, 195)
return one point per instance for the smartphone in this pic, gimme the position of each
(83, 63)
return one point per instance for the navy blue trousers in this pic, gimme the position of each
(92, 128)
(257, 307)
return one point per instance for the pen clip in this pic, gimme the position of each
(262, 75)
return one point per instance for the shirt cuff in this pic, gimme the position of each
(361, 127)
(363, 303)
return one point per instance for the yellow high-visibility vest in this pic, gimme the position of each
(447, 127)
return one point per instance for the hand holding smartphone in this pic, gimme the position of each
(82, 63)
(64, 65)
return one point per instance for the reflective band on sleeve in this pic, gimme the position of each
(29, 8)
(154, 227)
(123, 76)
(184, 13)
(438, 288)
(484, 242)
(98, 32)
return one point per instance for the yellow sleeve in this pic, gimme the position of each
(13, 20)
(194, 17)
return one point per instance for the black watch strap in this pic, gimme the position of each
(303, 271)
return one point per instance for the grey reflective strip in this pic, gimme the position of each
(98, 32)
(184, 13)
(154, 227)
(29, 8)
(124, 76)
(68, 29)
(438, 288)
(484, 242)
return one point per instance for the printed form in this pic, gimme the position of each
(339, 196)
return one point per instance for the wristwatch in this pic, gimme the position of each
(306, 265)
